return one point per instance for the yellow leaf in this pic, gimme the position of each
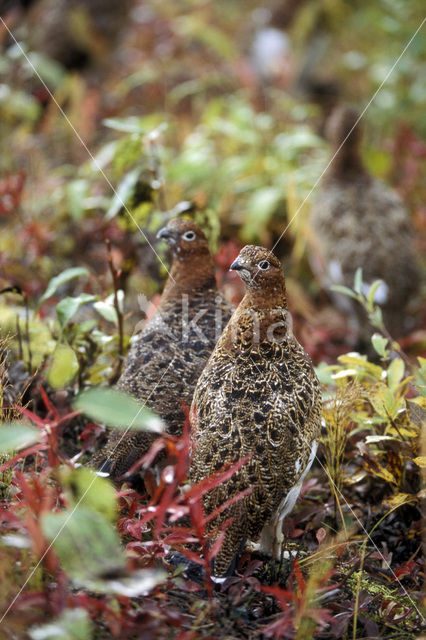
(363, 366)
(385, 403)
(420, 461)
(345, 373)
(64, 367)
(410, 433)
(379, 471)
(395, 373)
(355, 477)
(398, 499)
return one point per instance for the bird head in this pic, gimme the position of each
(184, 238)
(258, 268)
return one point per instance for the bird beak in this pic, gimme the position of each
(236, 266)
(166, 235)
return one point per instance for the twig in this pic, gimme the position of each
(27, 333)
(155, 171)
(19, 335)
(396, 346)
(115, 279)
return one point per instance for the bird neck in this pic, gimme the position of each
(346, 163)
(260, 299)
(189, 274)
(261, 316)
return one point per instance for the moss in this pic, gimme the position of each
(368, 584)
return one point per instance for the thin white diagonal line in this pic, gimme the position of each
(84, 145)
(78, 503)
(380, 87)
(350, 508)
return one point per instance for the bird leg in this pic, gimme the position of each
(279, 543)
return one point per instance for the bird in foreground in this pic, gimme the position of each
(169, 354)
(359, 222)
(258, 396)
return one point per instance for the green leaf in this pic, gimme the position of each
(379, 343)
(263, 202)
(76, 192)
(50, 71)
(103, 157)
(129, 125)
(345, 290)
(358, 281)
(16, 540)
(324, 373)
(64, 367)
(66, 308)
(395, 373)
(89, 550)
(260, 207)
(19, 105)
(123, 193)
(117, 409)
(73, 624)
(376, 318)
(376, 439)
(15, 436)
(59, 280)
(372, 292)
(106, 307)
(87, 544)
(84, 487)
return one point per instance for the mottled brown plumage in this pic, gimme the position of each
(258, 395)
(76, 32)
(359, 222)
(167, 357)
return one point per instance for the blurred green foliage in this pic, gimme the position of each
(180, 115)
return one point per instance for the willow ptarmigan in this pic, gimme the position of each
(76, 33)
(258, 396)
(168, 356)
(359, 222)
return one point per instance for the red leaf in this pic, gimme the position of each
(320, 534)
(217, 478)
(197, 517)
(30, 415)
(150, 483)
(47, 403)
(192, 556)
(228, 503)
(282, 596)
(299, 576)
(148, 458)
(176, 538)
(405, 569)
(216, 546)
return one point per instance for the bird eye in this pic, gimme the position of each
(264, 264)
(189, 235)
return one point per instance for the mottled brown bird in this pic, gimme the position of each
(168, 356)
(359, 222)
(258, 396)
(76, 33)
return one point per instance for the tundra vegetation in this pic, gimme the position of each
(94, 161)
